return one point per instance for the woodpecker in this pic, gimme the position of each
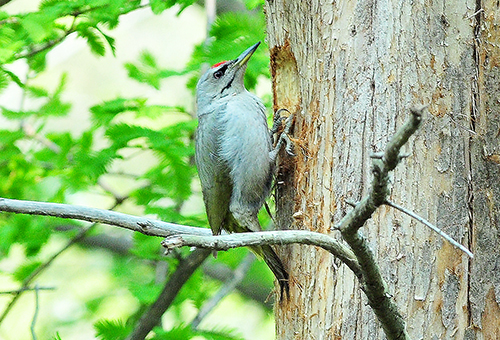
(234, 155)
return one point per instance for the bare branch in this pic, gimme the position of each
(4, 2)
(432, 226)
(134, 223)
(183, 272)
(401, 137)
(372, 282)
(256, 291)
(35, 316)
(238, 275)
(280, 237)
(39, 269)
(194, 236)
(21, 290)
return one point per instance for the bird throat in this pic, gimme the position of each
(228, 86)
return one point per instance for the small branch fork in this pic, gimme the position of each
(372, 282)
(357, 255)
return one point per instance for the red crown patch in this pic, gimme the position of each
(218, 64)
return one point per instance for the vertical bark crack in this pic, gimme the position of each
(474, 110)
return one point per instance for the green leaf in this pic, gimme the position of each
(104, 113)
(25, 270)
(177, 332)
(220, 333)
(184, 4)
(10, 114)
(147, 247)
(145, 293)
(148, 71)
(31, 232)
(8, 235)
(38, 25)
(122, 134)
(109, 40)
(57, 336)
(185, 332)
(38, 61)
(4, 81)
(13, 77)
(36, 92)
(158, 6)
(94, 40)
(112, 329)
(253, 4)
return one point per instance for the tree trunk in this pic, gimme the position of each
(350, 71)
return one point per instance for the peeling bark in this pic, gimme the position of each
(350, 70)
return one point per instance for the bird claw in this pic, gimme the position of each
(289, 146)
(278, 120)
(283, 138)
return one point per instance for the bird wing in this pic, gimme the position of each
(245, 146)
(214, 174)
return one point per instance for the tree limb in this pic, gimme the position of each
(134, 223)
(238, 275)
(4, 2)
(183, 272)
(39, 269)
(372, 282)
(182, 235)
(251, 289)
(279, 237)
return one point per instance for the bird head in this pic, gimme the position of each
(224, 78)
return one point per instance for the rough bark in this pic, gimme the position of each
(350, 71)
(484, 294)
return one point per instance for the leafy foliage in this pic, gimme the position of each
(111, 329)
(186, 332)
(55, 165)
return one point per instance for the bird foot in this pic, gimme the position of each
(283, 139)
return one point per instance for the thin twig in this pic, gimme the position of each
(4, 2)
(35, 316)
(47, 263)
(257, 291)
(431, 226)
(40, 269)
(229, 286)
(30, 132)
(476, 13)
(152, 316)
(17, 291)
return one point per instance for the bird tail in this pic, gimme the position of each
(274, 263)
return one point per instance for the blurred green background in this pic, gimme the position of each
(98, 109)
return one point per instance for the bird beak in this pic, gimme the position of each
(243, 58)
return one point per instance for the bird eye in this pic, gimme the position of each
(218, 74)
